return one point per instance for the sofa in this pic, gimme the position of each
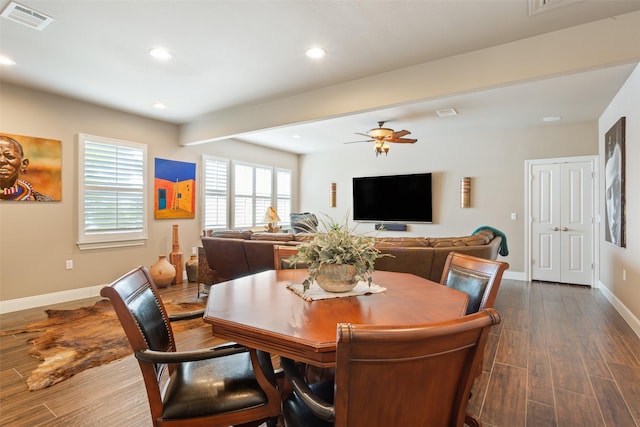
(231, 254)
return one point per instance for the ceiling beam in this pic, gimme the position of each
(599, 44)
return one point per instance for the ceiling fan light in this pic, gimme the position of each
(380, 133)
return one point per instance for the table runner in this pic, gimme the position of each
(315, 292)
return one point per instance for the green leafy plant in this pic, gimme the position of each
(337, 243)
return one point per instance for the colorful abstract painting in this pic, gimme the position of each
(175, 189)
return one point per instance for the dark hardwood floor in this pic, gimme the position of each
(562, 356)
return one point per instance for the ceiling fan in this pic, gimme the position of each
(383, 136)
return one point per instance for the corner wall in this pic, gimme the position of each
(625, 294)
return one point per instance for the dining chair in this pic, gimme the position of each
(394, 376)
(222, 386)
(478, 277)
(281, 255)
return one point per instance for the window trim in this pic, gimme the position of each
(102, 240)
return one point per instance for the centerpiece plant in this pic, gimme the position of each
(337, 244)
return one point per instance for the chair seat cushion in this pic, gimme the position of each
(297, 414)
(212, 386)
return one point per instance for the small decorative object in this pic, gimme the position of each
(332, 199)
(465, 192)
(337, 258)
(175, 257)
(192, 268)
(162, 272)
(271, 218)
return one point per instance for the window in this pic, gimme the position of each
(252, 194)
(283, 195)
(255, 188)
(216, 193)
(112, 192)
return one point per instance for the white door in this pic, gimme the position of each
(561, 219)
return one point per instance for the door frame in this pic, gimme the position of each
(595, 229)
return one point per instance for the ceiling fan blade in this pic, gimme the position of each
(404, 140)
(355, 142)
(362, 134)
(400, 134)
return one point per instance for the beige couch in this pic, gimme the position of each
(232, 254)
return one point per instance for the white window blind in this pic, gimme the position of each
(216, 193)
(112, 192)
(255, 188)
(283, 195)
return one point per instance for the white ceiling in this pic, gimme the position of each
(229, 54)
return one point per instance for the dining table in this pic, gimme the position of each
(261, 311)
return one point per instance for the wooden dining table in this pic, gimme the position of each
(259, 311)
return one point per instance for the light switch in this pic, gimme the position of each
(514, 216)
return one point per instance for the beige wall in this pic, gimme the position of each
(613, 259)
(495, 163)
(37, 238)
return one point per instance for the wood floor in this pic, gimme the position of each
(562, 356)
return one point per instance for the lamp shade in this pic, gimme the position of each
(271, 215)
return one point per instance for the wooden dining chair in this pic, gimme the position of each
(226, 385)
(400, 376)
(281, 255)
(478, 277)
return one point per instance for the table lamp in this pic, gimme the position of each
(271, 218)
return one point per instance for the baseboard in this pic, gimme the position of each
(514, 275)
(626, 314)
(18, 304)
(48, 299)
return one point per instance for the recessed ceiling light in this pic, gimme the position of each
(295, 136)
(551, 119)
(316, 52)
(160, 53)
(160, 105)
(5, 60)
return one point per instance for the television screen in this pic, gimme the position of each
(397, 198)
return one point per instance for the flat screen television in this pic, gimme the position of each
(395, 198)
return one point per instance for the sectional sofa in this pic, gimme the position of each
(230, 254)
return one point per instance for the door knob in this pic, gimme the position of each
(565, 229)
(554, 228)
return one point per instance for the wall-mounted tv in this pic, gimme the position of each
(397, 198)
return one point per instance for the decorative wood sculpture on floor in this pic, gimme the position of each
(176, 257)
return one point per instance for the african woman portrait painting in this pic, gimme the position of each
(29, 169)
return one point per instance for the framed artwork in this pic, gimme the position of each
(31, 168)
(175, 189)
(614, 183)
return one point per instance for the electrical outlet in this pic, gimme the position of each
(514, 216)
(69, 264)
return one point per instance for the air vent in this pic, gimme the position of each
(447, 112)
(538, 6)
(25, 16)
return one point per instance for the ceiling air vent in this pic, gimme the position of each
(538, 6)
(25, 16)
(447, 112)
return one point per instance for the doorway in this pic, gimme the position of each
(561, 220)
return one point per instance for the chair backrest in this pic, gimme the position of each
(144, 319)
(478, 277)
(281, 255)
(413, 376)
